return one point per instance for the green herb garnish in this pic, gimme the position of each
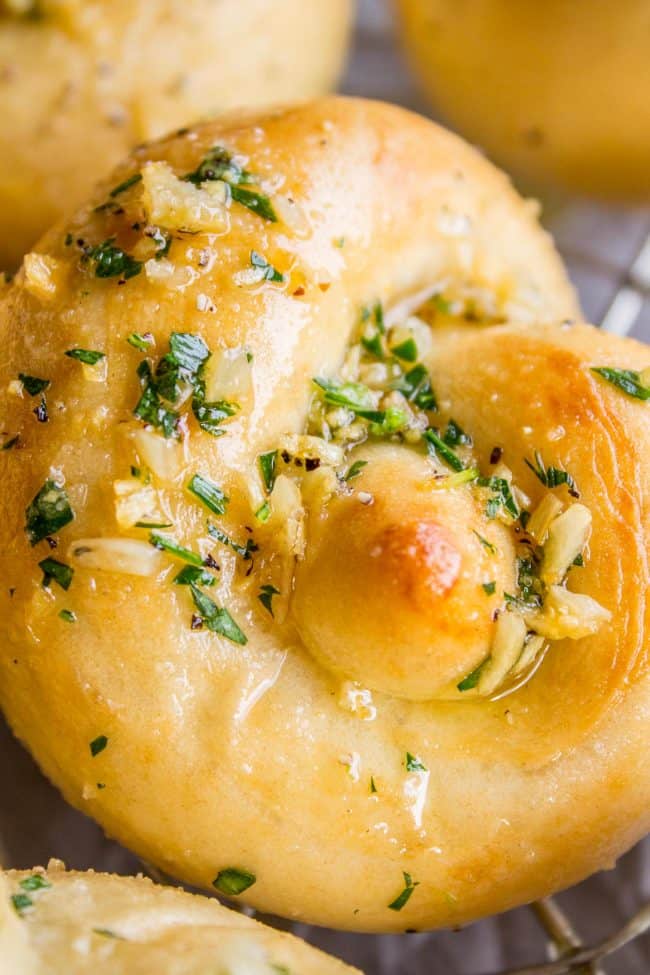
(407, 350)
(217, 619)
(11, 443)
(416, 386)
(35, 882)
(487, 545)
(489, 588)
(627, 380)
(67, 616)
(112, 262)
(414, 764)
(58, 571)
(139, 342)
(551, 477)
(48, 512)
(88, 356)
(127, 184)
(454, 436)
(502, 497)
(193, 575)
(106, 932)
(21, 903)
(232, 881)
(266, 595)
(373, 787)
(402, 899)
(353, 396)
(267, 464)
(219, 164)
(244, 550)
(207, 491)
(98, 745)
(32, 384)
(355, 470)
(166, 544)
(437, 447)
(471, 681)
(263, 513)
(258, 202)
(269, 273)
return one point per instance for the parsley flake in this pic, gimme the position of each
(217, 619)
(166, 544)
(253, 200)
(266, 595)
(126, 185)
(355, 470)
(32, 385)
(269, 273)
(403, 898)
(489, 588)
(550, 477)
(67, 616)
(438, 448)
(207, 491)
(233, 881)
(414, 764)
(194, 575)
(21, 903)
(56, 571)
(244, 550)
(48, 512)
(627, 380)
(407, 350)
(112, 262)
(267, 464)
(35, 882)
(98, 745)
(89, 357)
(470, 682)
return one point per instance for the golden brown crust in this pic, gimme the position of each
(203, 752)
(85, 82)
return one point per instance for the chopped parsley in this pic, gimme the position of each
(141, 342)
(106, 932)
(219, 164)
(210, 416)
(627, 380)
(166, 544)
(403, 898)
(35, 882)
(438, 448)
(266, 595)
(126, 185)
(416, 386)
(489, 588)
(355, 470)
(263, 513)
(373, 787)
(269, 273)
(89, 357)
(471, 681)
(253, 200)
(11, 443)
(353, 396)
(48, 512)
(267, 464)
(217, 619)
(501, 498)
(21, 903)
(193, 575)
(487, 545)
(407, 350)
(550, 477)
(244, 550)
(414, 764)
(207, 491)
(454, 436)
(233, 881)
(112, 262)
(67, 616)
(98, 745)
(56, 571)
(32, 385)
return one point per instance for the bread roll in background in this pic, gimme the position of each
(83, 81)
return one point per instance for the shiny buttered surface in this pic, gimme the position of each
(324, 586)
(54, 921)
(83, 81)
(558, 92)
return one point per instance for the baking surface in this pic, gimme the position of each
(603, 246)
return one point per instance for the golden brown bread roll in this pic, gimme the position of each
(82, 81)
(269, 517)
(558, 92)
(55, 920)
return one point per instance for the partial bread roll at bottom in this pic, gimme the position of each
(59, 921)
